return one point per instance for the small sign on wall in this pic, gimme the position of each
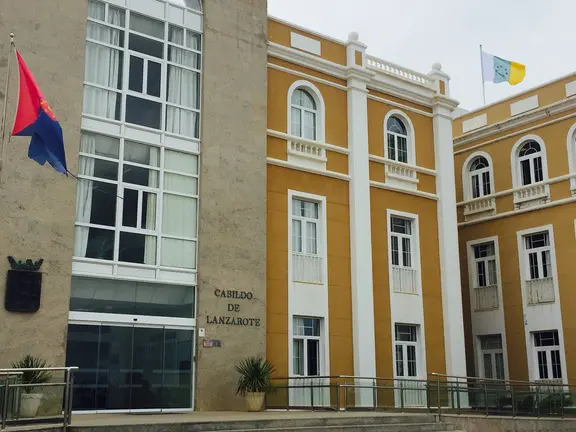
(211, 343)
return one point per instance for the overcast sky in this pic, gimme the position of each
(416, 33)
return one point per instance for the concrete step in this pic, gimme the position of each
(390, 427)
(332, 423)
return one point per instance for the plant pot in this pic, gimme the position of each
(29, 404)
(254, 401)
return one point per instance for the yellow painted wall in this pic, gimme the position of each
(280, 180)
(330, 50)
(381, 200)
(562, 218)
(554, 136)
(547, 95)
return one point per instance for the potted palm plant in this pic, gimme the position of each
(29, 401)
(254, 381)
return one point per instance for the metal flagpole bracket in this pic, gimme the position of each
(3, 125)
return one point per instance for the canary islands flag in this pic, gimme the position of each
(497, 70)
(35, 119)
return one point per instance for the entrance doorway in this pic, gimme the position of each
(131, 367)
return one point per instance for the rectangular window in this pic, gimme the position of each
(486, 183)
(401, 241)
(406, 350)
(128, 181)
(547, 350)
(538, 258)
(475, 186)
(492, 356)
(162, 89)
(306, 350)
(485, 264)
(526, 172)
(305, 229)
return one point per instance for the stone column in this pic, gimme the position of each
(443, 109)
(232, 227)
(360, 231)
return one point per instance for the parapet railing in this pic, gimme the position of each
(438, 393)
(53, 401)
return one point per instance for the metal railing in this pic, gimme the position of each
(13, 381)
(438, 393)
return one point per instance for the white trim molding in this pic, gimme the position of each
(541, 316)
(406, 307)
(288, 137)
(387, 186)
(305, 299)
(537, 192)
(286, 164)
(571, 150)
(453, 318)
(486, 321)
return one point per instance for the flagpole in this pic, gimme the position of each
(3, 125)
(482, 69)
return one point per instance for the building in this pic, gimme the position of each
(290, 197)
(515, 182)
(362, 272)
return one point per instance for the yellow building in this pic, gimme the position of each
(515, 182)
(362, 264)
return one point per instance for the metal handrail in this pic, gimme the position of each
(67, 383)
(456, 393)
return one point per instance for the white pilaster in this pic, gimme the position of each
(360, 231)
(447, 226)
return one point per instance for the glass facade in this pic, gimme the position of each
(130, 368)
(131, 330)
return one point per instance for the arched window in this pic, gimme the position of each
(530, 160)
(397, 139)
(480, 180)
(304, 115)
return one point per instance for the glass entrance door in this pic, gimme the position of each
(129, 367)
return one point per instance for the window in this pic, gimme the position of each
(397, 140)
(306, 347)
(158, 86)
(156, 223)
(492, 356)
(530, 160)
(485, 265)
(401, 241)
(305, 227)
(406, 350)
(547, 347)
(304, 115)
(480, 177)
(538, 258)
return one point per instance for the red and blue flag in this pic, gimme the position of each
(34, 118)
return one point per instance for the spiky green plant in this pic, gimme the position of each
(32, 376)
(254, 375)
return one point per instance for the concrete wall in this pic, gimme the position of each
(37, 205)
(232, 236)
(510, 424)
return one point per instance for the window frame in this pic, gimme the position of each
(485, 260)
(492, 352)
(161, 191)
(547, 351)
(404, 345)
(516, 162)
(539, 253)
(305, 345)
(124, 92)
(304, 226)
(414, 245)
(410, 137)
(315, 93)
(467, 174)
